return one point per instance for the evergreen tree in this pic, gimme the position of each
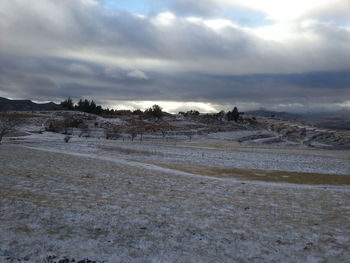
(92, 107)
(233, 115)
(67, 104)
(155, 112)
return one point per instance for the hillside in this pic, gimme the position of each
(196, 188)
(336, 120)
(275, 114)
(75, 185)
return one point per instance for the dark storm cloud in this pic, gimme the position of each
(75, 48)
(293, 88)
(69, 29)
(53, 79)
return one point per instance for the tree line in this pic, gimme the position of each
(89, 106)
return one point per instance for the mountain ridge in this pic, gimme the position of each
(26, 105)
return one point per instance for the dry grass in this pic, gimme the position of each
(344, 132)
(157, 126)
(236, 147)
(65, 205)
(263, 175)
(129, 151)
(207, 144)
(19, 115)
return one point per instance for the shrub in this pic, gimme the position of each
(112, 133)
(8, 123)
(84, 130)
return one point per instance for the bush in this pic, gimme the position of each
(190, 113)
(64, 126)
(112, 133)
(8, 123)
(137, 112)
(84, 130)
(54, 126)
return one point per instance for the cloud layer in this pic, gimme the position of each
(54, 49)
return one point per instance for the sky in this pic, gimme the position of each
(208, 55)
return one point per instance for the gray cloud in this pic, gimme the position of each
(89, 33)
(77, 49)
(137, 74)
(296, 9)
(53, 79)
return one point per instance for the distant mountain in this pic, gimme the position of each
(343, 114)
(275, 114)
(337, 120)
(26, 105)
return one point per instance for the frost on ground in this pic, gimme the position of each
(221, 153)
(116, 210)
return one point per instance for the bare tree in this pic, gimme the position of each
(84, 130)
(8, 123)
(189, 134)
(113, 133)
(141, 131)
(133, 133)
(68, 123)
(67, 138)
(164, 133)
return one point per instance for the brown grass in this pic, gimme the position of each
(236, 147)
(128, 151)
(157, 127)
(19, 115)
(263, 175)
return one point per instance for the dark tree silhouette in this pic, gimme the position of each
(233, 115)
(89, 107)
(68, 104)
(190, 113)
(155, 112)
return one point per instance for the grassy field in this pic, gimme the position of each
(263, 175)
(62, 205)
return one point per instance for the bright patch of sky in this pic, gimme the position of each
(134, 6)
(345, 22)
(239, 14)
(142, 7)
(168, 106)
(246, 17)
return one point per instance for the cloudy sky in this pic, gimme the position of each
(182, 54)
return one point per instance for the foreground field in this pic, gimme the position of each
(116, 205)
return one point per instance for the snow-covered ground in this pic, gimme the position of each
(123, 201)
(200, 151)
